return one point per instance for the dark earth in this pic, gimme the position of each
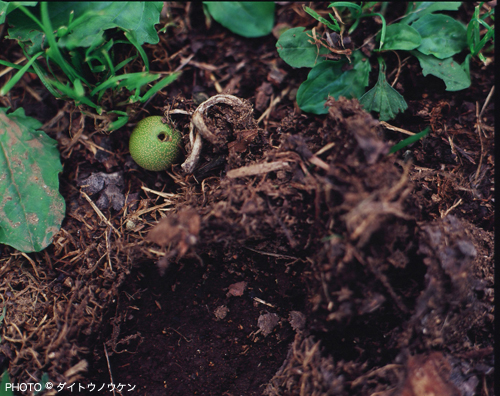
(298, 259)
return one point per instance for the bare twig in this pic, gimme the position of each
(393, 128)
(109, 368)
(99, 213)
(258, 169)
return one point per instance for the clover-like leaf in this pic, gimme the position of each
(333, 78)
(31, 207)
(295, 48)
(383, 99)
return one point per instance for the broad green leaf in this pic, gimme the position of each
(442, 36)
(139, 18)
(401, 37)
(383, 99)
(466, 65)
(420, 8)
(246, 18)
(31, 207)
(330, 78)
(90, 20)
(7, 7)
(451, 72)
(294, 48)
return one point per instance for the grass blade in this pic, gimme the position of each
(159, 86)
(13, 81)
(409, 140)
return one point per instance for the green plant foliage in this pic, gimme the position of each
(409, 140)
(31, 207)
(401, 37)
(329, 79)
(5, 379)
(455, 76)
(6, 7)
(82, 24)
(383, 98)
(73, 36)
(246, 18)
(3, 385)
(295, 48)
(442, 36)
(474, 40)
(432, 38)
(418, 9)
(43, 382)
(333, 26)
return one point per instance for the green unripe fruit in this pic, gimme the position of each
(153, 144)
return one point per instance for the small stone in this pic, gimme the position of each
(267, 323)
(221, 312)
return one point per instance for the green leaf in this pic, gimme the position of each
(420, 8)
(91, 19)
(7, 7)
(43, 384)
(117, 124)
(159, 86)
(409, 140)
(474, 40)
(451, 72)
(131, 81)
(131, 37)
(442, 36)
(7, 87)
(72, 93)
(335, 26)
(330, 79)
(3, 385)
(357, 9)
(384, 99)
(401, 37)
(31, 207)
(138, 18)
(246, 18)
(294, 48)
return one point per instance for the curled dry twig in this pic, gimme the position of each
(198, 123)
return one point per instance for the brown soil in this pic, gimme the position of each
(298, 259)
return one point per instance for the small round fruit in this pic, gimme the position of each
(153, 144)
